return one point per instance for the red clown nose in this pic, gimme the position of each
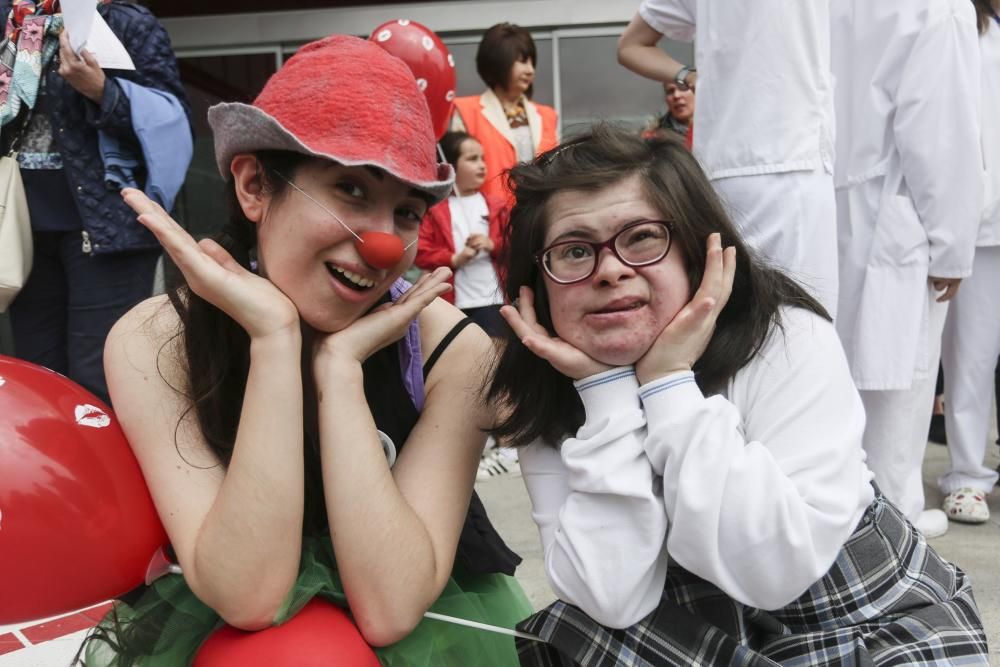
(381, 250)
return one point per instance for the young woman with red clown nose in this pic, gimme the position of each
(308, 429)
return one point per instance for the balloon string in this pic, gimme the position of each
(454, 183)
(480, 626)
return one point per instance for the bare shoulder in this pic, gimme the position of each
(146, 339)
(146, 370)
(468, 355)
(147, 374)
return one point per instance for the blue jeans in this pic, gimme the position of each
(70, 302)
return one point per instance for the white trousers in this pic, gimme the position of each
(896, 426)
(969, 350)
(791, 219)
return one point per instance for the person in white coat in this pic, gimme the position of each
(763, 121)
(971, 342)
(908, 177)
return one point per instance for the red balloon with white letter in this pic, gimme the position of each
(429, 60)
(77, 524)
(321, 634)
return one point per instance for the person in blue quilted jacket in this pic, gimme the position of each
(84, 133)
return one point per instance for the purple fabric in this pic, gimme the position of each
(410, 358)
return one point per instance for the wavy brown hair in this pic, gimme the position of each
(539, 401)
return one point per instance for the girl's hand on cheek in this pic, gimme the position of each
(684, 340)
(253, 302)
(384, 325)
(565, 358)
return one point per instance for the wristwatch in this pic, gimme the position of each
(682, 75)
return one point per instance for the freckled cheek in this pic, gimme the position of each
(567, 317)
(667, 303)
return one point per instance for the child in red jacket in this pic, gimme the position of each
(465, 233)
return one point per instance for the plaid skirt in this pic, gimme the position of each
(889, 599)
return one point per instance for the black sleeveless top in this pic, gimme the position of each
(480, 547)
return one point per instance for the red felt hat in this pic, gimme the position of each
(343, 99)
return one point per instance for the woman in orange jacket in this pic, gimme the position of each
(509, 126)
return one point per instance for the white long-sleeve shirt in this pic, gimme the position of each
(761, 486)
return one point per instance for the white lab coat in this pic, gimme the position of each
(763, 123)
(989, 48)
(971, 341)
(908, 174)
(765, 99)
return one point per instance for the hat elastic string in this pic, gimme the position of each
(379, 249)
(318, 203)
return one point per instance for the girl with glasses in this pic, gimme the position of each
(691, 438)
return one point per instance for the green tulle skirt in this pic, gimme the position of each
(167, 625)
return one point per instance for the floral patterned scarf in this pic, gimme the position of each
(31, 39)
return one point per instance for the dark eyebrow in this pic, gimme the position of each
(588, 235)
(572, 234)
(379, 175)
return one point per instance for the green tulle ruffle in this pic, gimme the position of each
(167, 625)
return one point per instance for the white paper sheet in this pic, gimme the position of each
(87, 30)
(106, 47)
(78, 19)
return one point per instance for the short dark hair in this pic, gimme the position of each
(501, 46)
(539, 401)
(451, 145)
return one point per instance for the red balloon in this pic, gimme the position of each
(429, 60)
(381, 250)
(77, 524)
(320, 635)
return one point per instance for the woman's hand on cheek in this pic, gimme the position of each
(565, 358)
(212, 273)
(382, 326)
(684, 340)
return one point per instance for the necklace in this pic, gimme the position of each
(516, 114)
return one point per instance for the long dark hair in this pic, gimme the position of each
(984, 12)
(216, 349)
(540, 402)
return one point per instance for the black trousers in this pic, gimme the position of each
(63, 314)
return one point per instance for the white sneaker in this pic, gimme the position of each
(932, 523)
(494, 463)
